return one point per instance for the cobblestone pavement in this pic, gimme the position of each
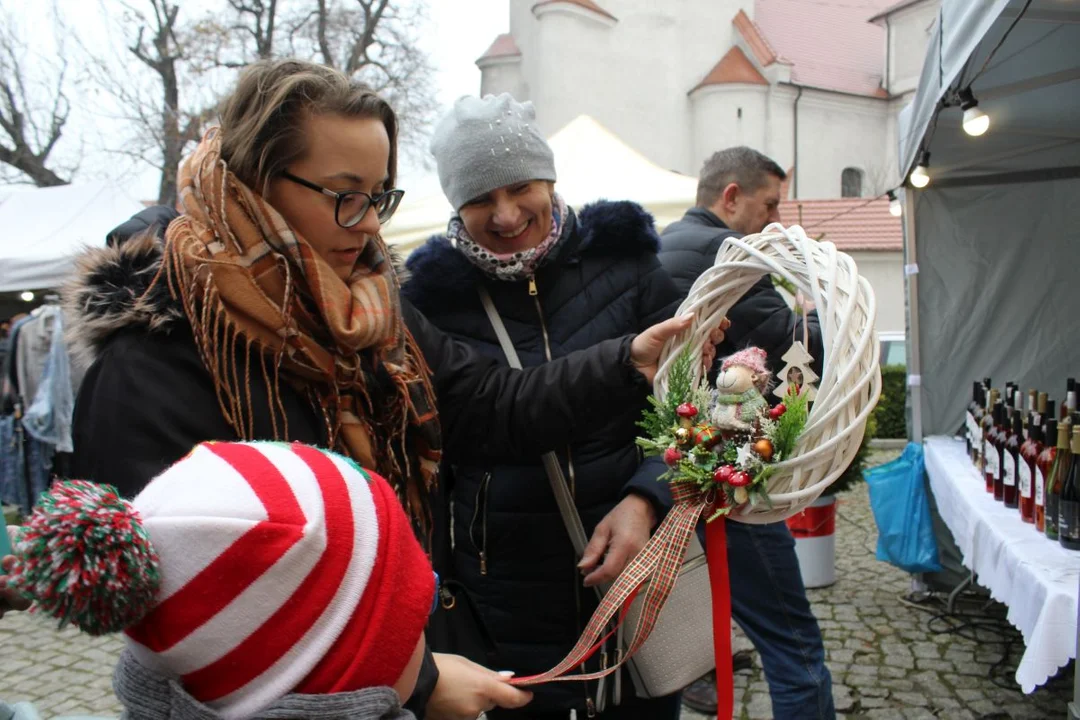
(886, 661)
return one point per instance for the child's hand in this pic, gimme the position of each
(9, 599)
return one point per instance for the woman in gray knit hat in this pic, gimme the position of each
(561, 281)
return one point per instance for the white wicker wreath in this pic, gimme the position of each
(851, 382)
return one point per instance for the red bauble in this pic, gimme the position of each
(723, 474)
(686, 410)
(740, 479)
(777, 411)
(672, 456)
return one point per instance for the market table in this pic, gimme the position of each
(1036, 578)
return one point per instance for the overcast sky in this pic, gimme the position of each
(458, 32)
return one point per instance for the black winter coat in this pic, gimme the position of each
(512, 550)
(147, 398)
(761, 318)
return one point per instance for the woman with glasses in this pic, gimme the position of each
(559, 281)
(271, 311)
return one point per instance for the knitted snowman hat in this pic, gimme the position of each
(246, 570)
(751, 357)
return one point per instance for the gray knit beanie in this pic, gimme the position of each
(486, 143)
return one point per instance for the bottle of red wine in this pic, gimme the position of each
(1069, 405)
(987, 451)
(969, 420)
(1014, 436)
(1044, 471)
(998, 439)
(1029, 454)
(1069, 502)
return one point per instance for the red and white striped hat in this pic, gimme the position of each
(283, 568)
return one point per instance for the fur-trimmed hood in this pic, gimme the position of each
(113, 289)
(621, 229)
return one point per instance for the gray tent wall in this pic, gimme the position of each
(996, 235)
(993, 244)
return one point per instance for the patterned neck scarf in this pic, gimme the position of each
(249, 281)
(510, 266)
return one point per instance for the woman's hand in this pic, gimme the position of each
(617, 540)
(646, 347)
(465, 690)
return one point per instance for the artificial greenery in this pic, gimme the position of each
(790, 425)
(698, 464)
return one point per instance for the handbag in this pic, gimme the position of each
(680, 648)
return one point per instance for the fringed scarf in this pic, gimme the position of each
(249, 281)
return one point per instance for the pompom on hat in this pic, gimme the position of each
(751, 357)
(247, 570)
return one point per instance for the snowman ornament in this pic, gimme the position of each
(739, 398)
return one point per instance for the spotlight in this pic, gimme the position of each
(976, 122)
(27, 296)
(894, 205)
(920, 176)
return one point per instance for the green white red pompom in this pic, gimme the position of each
(84, 558)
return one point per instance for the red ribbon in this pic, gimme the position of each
(716, 555)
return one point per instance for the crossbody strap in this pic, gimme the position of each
(571, 519)
(551, 462)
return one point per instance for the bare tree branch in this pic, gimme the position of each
(31, 128)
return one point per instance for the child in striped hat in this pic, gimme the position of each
(250, 580)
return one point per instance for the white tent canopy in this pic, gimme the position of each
(995, 237)
(591, 164)
(43, 229)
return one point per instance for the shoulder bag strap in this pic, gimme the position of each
(551, 462)
(571, 519)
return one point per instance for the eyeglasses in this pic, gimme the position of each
(352, 206)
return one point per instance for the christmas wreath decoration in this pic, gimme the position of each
(731, 456)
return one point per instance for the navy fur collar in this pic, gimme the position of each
(621, 229)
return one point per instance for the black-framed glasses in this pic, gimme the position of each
(351, 207)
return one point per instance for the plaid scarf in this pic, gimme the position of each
(249, 281)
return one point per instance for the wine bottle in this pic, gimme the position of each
(969, 421)
(976, 427)
(1069, 502)
(1029, 453)
(1069, 405)
(1011, 459)
(1043, 468)
(988, 453)
(998, 439)
(1032, 405)
(1055, 480)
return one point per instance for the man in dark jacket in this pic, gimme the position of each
(739, 194)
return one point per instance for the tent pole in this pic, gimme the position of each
(911, 271)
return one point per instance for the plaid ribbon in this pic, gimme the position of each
(658, 564)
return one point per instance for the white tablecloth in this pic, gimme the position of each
(1036, 578)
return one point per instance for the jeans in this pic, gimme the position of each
(769, 602)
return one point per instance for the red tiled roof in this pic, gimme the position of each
(504, 46)
(757, 42)
(830, 44)
(862, 226)
(587, 4)
(734, 67)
